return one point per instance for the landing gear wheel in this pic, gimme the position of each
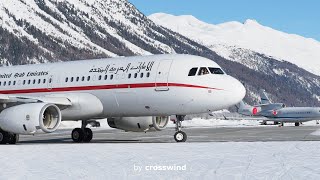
(296, 124)
(180, 136)
(13, 139)
(77, 135)
(4, 137)
(87, 135)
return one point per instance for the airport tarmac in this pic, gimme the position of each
(195, 134)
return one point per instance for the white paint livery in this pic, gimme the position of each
(120, 88)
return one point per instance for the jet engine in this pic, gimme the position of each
(29, 118)
(256, 111)
(139, 124)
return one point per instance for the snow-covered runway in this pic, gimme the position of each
(248, 151)
(225, 160)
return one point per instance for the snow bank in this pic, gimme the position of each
(197, 122)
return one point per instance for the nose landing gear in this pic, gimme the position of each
(180, 136)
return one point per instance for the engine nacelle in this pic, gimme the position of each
(270, 113)
(139, 124)
(255, 111)
(29, 118)
(84, 106)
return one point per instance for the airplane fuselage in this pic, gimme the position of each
(294, 114)
(135, 86)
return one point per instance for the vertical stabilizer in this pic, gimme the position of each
(263, 97)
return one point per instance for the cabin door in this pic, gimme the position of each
(162, 75)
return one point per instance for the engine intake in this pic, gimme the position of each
(29, 118)
(139, 124)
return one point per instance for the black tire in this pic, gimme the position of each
(275, 122)
(296, 124)
(14, 138)
(77, 135)
(4, 137)
(87, 135)
(180, 136)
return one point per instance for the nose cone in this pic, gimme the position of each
(239, 90)
(236, 91)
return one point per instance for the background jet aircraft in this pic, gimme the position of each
(278, 112)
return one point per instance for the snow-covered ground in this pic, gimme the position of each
(215, 160)
(227, 160)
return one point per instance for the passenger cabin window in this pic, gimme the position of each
(203, 71)
(216, 70)
(148, 74)
(193, 72)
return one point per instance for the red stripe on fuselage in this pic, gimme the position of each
(101, 87)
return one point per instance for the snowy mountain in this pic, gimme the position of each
(226, 37)
(47, 30)
(40, 31)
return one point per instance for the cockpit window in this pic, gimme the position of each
(203, 71)
(193, 72)
(216, 70)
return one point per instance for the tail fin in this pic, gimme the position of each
(264, 98)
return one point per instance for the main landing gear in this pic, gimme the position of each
(82, 134)
(180, 136)
(8, 138)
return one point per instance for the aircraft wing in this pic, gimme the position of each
(60, 101)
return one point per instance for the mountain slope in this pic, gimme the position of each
(224, 37)
(80, 29)
(39, 31)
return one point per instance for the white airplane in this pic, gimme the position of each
(278, 112)
(134, 94)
